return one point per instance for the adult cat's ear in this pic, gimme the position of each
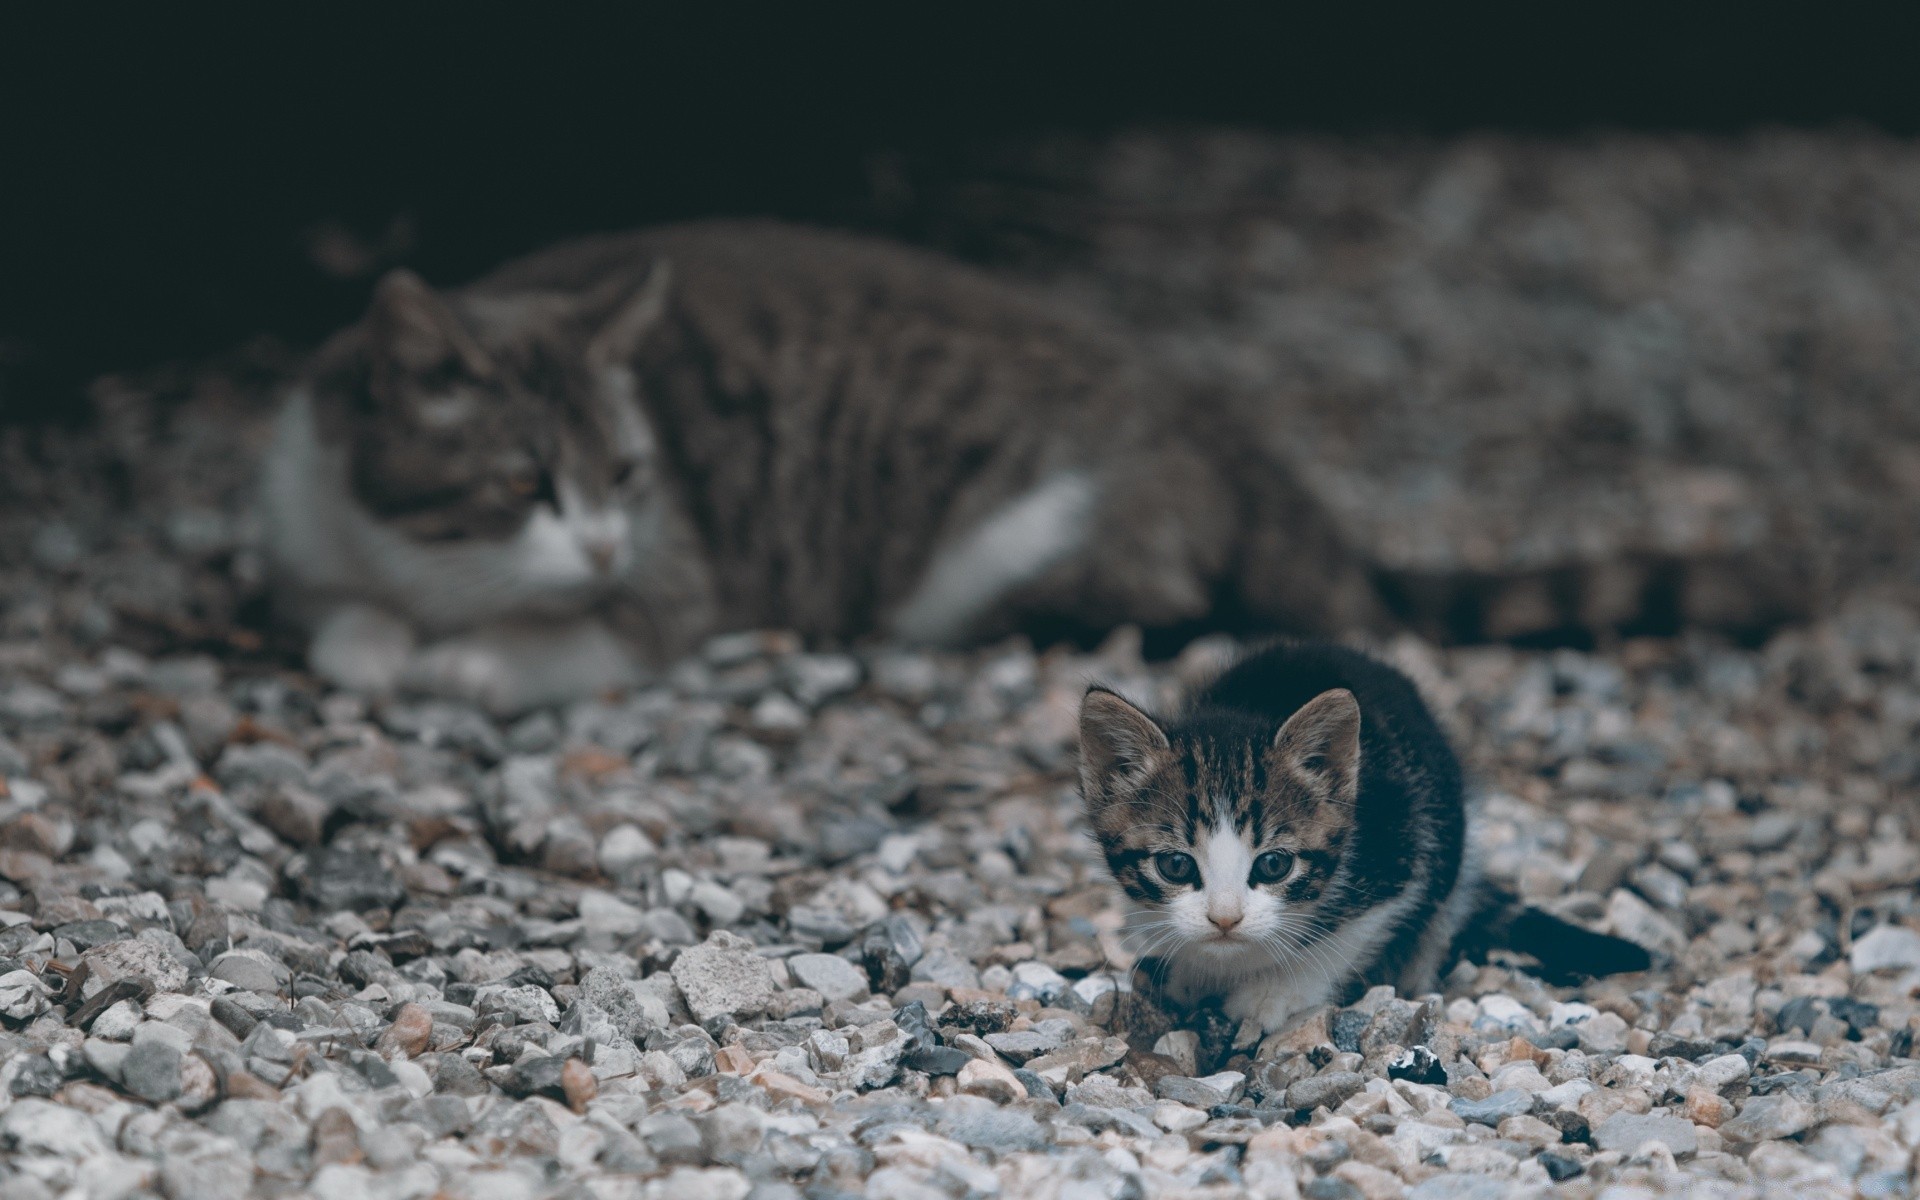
(414, 332)
(1320, 745)
(620, 338)
(1120, 746)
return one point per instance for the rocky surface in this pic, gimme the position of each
(1620, 381)
(822, 924)
(802, 923)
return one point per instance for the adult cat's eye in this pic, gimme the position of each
(532, 483)
(1175, 868)
(1272, 867)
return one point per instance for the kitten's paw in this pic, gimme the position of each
(1271, 1006)
(360, 649)
(464, 670)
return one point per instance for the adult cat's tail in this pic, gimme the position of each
(1566, 952)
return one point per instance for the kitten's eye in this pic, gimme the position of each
(1315, 763)
(628, 474)
(1272, 867)
(1175, 868)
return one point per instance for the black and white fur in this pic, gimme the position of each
(1301, 832)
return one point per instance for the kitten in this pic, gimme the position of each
(1300, 833)
(577, 467)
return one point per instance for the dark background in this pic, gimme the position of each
(162, 177)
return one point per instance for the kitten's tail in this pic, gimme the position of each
(1566, 952)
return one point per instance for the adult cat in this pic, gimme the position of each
(538, 485)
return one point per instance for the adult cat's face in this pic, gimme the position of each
(487, 422)
(1226, 833)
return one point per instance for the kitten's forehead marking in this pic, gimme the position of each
(1225, 858)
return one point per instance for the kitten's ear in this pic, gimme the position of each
(619, 339)
(1321, 745)
(1119, 746)
(413, 331)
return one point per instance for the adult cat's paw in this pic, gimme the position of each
(360, 649)
(466, 670)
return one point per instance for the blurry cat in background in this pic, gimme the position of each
(539, 486)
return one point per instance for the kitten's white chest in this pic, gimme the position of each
(1273, 986)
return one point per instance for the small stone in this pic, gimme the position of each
(578, 1084)
(1632, 918)
(540, 1075)
(1769, 1118)
(409, 1034)
(888, 950)
(118, 1021)
(795, 1002)
(1604, 1034)
(199, 1084)
(1495, 1108)
(673, 1138)
(1025, 1044)
(1707, 1107)
(455, 1076)
(636, 1012)
(1559, 1168)
(36, 1075)
(1417, 1065)
(1183, 1047)
(723, 976)
(815, 678)
(1888, 947)
(1723, 1071)
(1177, 1118)
(1628, 1132)
(108, 1058)
(296, 814)
(977, 1122)
(22, 996)
(830, 975)
(85, 935)
(137, 959)
(1036, 981)
(944, 967)
(716, 903)
(336, 1139)
(936, 1060)
(335, 880)
(1793, 1052)
(710, 1183)
(1505, 1013)
(605, 915)
(151, 1071)
(1093, 996)
(781, 1086)
(913, 1021)
(991, 1080)
(1189, 1091)
(251, 970)
(528, 1002)
(625, 852)
(1324, 1091)
(1345, 1028)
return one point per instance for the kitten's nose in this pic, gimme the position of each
(600, 554)
(1225, 922)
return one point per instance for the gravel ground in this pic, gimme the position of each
(821, 924)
